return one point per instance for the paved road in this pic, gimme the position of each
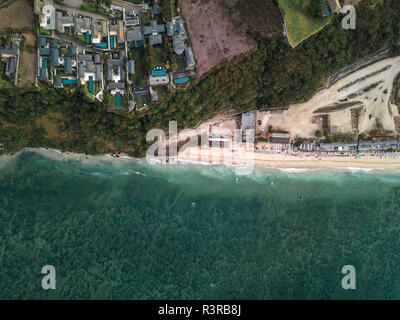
(75, 42)
(128, 5)
(74, 3)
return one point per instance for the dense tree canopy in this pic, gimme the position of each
(273, 75)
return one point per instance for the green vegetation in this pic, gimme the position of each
(177, 63)
(355, 118)
(298, 142)
(157, 56)
(301, 22)
(260, 16)
(316, 7)
(318, 134)
(140, 76)
(94, 6)
(143, 102)
(146, 17)
(80, 37)
(372, 86)
(168, 10)
(44, 31)
(96, 89)
(338, 106)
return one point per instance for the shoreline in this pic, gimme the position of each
(255, 158)
(241, 159)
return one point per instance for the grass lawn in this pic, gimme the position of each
(178, 63)
(160, 57)
(80, 37)
(146, 17)
(299, 22)
(113, 103)
(143, 101)
(96, 89)
(44, 31)
(161, 91)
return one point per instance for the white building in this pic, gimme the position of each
(47, 17)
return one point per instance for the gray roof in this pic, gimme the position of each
(176, 28)
(62, 21)
(43, 74)
(44, 52)
(97, 58)
(179, 46)
(189, 57)
(249, 121)
(156, 8)
(85, 57)
(8, 50)
(341, 146)
(97, 28)
(366, 145)
(132, 22)
(155, 39)
(279, 140)
(97, 72)
(115, 85)
(131, 66)
(41, 41)
(82, 23)
(89, 66)
(85, 66)
(68, 65)
(11, 63)
(58, 82)
(134, 35)
(54, 56)
(154, 28)
(81, 69)
(16, 42)
(115, 62)
(71, 51)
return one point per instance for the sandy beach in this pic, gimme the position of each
(241, 158)
(295, 160)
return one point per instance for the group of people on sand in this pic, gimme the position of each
(116, 155)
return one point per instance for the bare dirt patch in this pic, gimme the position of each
(17, 16)
(27, 64)
(213, 35)
(51, 122)
(373, 92)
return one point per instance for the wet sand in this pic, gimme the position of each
(291, 160)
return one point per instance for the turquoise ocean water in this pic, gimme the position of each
(128, 230)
